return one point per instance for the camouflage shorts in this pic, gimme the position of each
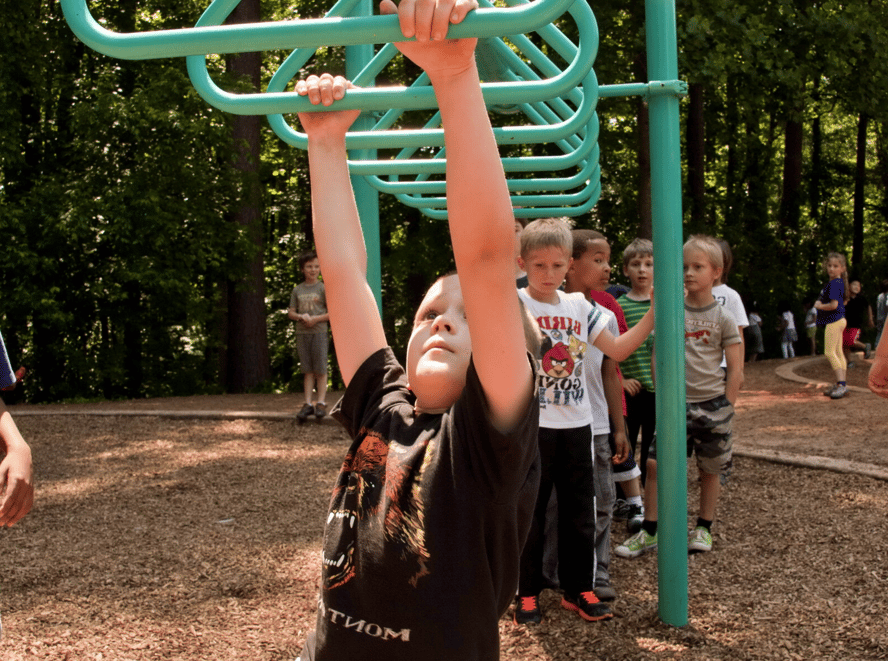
(709, 435)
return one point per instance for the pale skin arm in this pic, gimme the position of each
(482, 225)
(16, 472)
(620, 348)
(734, 372)
(337, 228)
(826, 307)
(312, 321)
(610, 378)
(878, 374)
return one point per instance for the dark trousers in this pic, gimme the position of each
(565, 463)
(641, 414)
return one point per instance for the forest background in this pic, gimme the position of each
(148, 242)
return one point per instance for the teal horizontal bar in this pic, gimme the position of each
(303, 33)
(677, 88)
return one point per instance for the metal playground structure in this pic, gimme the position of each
(543, 88)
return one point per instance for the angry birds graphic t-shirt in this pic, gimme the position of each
(568, 328)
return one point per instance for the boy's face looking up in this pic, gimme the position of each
(545, 268)
(699, 273)
(440, 347)
(640, 271)
(591, 271)
(311, 270)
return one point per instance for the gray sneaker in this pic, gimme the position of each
(635, 518)
(621, 510)
(306, 411)
(838, 392)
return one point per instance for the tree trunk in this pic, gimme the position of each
(859, 181)
(247, 355)
(790, 202)
(696, 158)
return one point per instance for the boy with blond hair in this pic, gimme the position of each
(569, 324)
(710, 332)
(432, 503)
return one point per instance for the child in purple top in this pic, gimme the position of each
(831, 315)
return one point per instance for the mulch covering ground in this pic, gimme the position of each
(197, 539)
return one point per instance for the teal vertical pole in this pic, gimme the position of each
(367, 197)
(662, 57)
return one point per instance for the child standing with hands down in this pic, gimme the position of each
(569, 323)
(638, 381)
(831, 315)
(430, 509)
(710, 331)
(308, 308)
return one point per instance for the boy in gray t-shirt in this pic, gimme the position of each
(711, 393)
(308, 308)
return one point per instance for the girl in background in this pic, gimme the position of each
(831, 315)
(788, 334)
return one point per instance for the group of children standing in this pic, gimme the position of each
(438, 518)
(615, 414)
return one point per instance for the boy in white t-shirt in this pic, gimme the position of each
(569, 323)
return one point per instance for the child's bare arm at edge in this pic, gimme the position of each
(733, 371)
(610, 379)
(16, 472)
(337, 228)
(878, 374)
(482, 226)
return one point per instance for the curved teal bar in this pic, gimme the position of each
(304, 33)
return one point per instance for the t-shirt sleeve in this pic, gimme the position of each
(379, 383)
(836, 291)
(294, 299)
(738, 311)
(499, 460)
(597, 322)
(730, 333)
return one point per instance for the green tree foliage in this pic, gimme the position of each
(115, 176)
(117, 187)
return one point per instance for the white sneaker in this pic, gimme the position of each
(700, 540)
(639, 543)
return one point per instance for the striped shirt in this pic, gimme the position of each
(638, 365)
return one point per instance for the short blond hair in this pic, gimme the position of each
(708, 246)
(547, 233)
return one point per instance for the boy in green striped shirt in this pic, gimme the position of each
(638, 382)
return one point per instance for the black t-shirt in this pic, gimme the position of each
(426, 525)
(855, 311)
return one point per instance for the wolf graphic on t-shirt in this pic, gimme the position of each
(372, 477)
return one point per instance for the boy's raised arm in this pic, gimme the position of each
(482, 225)
(354, 315)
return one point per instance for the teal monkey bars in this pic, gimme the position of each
(521, 81)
